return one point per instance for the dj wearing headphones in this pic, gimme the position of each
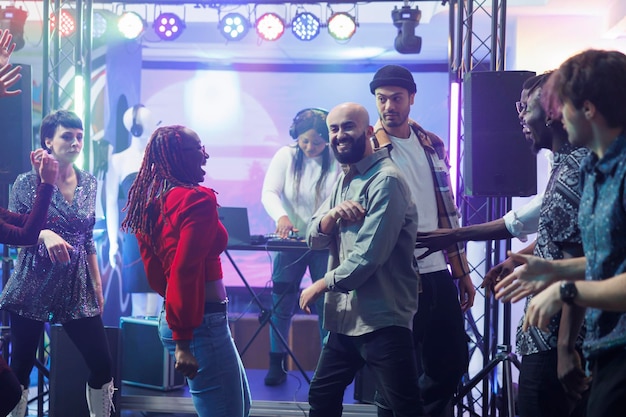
(298, 179)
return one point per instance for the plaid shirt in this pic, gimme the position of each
(446, 208)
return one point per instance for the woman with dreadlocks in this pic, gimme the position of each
(181, 238)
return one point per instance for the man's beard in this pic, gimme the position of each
(355, 153)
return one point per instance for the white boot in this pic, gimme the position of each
(100, 401)
(22, 406)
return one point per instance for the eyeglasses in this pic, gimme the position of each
(520, 107)
(201, 149)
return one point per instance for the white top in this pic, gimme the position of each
(524, 220)
(410, 157)
(279, 196)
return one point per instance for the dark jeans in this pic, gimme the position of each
(389, 354)
(87, 334)
(10, 390)
(440, 343)
(608, 388)
(540, 393)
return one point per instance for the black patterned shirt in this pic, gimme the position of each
(558, 224)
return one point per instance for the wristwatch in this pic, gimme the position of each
(568, 292)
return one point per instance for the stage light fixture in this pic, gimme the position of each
(270, 27)
(168, 26)
(131, 25)
(234, 26)
(68, 23)
(14, 19)
(104, 25)
(341, 26)
(305, 26)
(406, 20)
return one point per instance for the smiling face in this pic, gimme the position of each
(311, 143)
(534, 119)
(66, 144)
(349, 130)
(194, 155)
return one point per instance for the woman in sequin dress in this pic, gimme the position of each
(58, 279)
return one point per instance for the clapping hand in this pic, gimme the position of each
(7, 46)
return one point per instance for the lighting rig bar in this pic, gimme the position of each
(213, 3)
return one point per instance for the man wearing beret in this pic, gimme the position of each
(438, 327)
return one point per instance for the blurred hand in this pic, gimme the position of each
(533, 276)
(350, 211)
(48, 167)
(542, 307)
(434, 241)
(467, 293)
(58, 249)
(7, 46)
(309, 295)
(284, 226)
(497, 273)
(571, 373)
(8, 78)
(186, 363)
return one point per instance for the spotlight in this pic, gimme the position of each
(406, 20)
(341, 26)
(168, 26)
(234, 26)
(104, 25)
(68, 23)
(270, 27)
(131, 25)
(14, 19)
(305, 26)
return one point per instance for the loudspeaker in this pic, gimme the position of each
(498, 160)
(145, 362)
(137, 128)
(16, 134)
(69, 373)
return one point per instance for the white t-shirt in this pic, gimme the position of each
(410, 157)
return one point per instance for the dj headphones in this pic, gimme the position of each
(303, 115)
(136, 129)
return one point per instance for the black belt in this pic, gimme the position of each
(213, 307)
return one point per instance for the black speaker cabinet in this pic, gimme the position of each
(498, 159)
(16, 129)
(145, 362)
(68, 374)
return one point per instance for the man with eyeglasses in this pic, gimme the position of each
(549, 358)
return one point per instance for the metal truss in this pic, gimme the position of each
(485, 393)
(65, 58)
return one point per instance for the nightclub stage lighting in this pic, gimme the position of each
(234, 26)
(168, 26)
(131, 25)
(406, 20)
(68, 23)
(270, 27)
(341, 26)
(305, 26)
(14, 18)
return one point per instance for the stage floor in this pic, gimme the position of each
(289, 399)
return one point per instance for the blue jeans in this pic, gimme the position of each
(289, 268)
(220, 389)
(390, 356)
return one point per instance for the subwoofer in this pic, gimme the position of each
(498, 159)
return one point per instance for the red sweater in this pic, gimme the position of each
(23, 229)
(188, 239)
